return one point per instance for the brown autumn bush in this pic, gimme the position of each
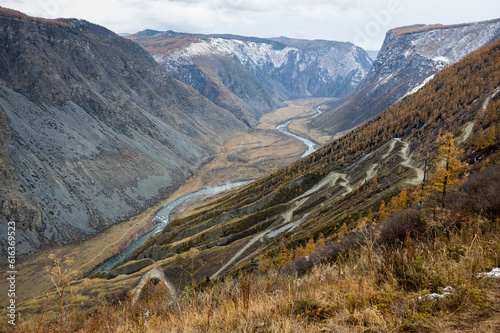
(300, 266)
(400, 224)
(480, 194)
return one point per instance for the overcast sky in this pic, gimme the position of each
(363, 22)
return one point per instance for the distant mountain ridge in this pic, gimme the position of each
(409, 58)
(250, 76)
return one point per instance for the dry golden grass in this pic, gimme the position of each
(85, 256)
(295, 108)
(362, 291)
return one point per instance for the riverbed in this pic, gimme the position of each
(311, 145)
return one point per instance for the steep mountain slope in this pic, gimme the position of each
(409, 58)
(329, 192)
(250, 76)
(92, 129)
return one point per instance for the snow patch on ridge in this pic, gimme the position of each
(257, 53)
(495, 273)
(420, 86)
(245, 52)
(452, 44)
(416, 56)
(333, 60)
(441, 59)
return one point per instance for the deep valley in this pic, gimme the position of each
(359, 194)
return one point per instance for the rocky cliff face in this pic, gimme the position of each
(409, 58)
(92, 129)
(250, 76)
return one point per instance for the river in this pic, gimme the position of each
(163, 215)
(311, 145)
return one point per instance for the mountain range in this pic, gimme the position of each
(79, 103)
(383, 166)
(409, 58)
(353, 179)
(94, 128)
(251, 76)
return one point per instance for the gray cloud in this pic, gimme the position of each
(361, 21)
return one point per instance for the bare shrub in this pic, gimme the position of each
(480, 193)
(400, 224)
(299, 266)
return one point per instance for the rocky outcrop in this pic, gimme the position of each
(251, 76)
(92, 129)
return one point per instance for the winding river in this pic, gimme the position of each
(311, 146)
(163, 215)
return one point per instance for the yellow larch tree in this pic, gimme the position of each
(448, 166)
